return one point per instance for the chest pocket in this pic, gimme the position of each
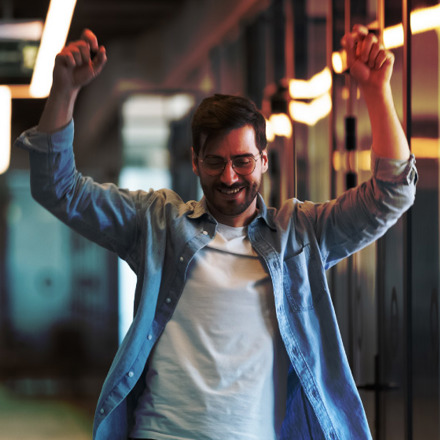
(303, 279)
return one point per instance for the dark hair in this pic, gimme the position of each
(219, 114)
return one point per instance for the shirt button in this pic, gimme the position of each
(168, 300)
(150, 337)
(130, 374)
(205, 232)
(181, 259)
(102, 411)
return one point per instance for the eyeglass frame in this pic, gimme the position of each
(225, 162)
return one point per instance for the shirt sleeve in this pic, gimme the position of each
(103, 213)
(34, 140)
(394, 170)
(363, 214)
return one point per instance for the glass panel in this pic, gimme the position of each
(425, 229)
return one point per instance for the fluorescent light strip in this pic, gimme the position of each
(54, 37)
(20, 91)
(310, 113)
(314, 87)
(279, 124)
(422, 20)
(5, 128)
(270, 135)
(25, 30)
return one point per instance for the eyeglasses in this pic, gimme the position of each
(242, 165)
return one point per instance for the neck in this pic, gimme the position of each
(236, 220)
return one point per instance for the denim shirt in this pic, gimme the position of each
(158, 235)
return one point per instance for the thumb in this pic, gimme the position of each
(360, 71)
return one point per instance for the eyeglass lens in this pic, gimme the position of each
(241, 165)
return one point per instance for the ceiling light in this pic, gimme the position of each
(311, 112)
(5, 128)
(281, 125)
(316, 86)
(21, 30)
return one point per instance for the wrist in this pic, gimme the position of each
(63, 93)
(376, 94)
(58, 111)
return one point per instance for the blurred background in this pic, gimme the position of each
(65, 304)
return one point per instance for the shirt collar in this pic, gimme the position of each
(200, 208)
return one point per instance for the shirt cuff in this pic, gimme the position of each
(394, 170)
(34, 140)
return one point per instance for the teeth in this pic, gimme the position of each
(230, 191)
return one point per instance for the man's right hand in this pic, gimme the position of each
(74, 66)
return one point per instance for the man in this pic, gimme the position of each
(234, 334)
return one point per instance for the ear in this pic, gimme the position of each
(195, 163)
(264, 161)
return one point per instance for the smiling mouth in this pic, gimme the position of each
(230, 191)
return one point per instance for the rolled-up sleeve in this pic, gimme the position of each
(362, 214)
(393, 170)
(103, 213)
(36, 141)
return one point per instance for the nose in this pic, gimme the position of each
(229, 176)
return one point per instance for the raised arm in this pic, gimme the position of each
(371, 65)
(103, 213)
(74, 68)
(363, 214)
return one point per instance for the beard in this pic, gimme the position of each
(230, 201)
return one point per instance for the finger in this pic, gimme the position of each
(72, 52)
(365, 47)
(65, 59)
(349, 44)
(76, 54)
(358, 34)
(100, 60)
(360, 71)
(84, 50)
(88, 36)
(374, 52)
(389, 60)
(383, 58)
(360, 29)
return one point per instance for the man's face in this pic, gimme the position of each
(231, 197)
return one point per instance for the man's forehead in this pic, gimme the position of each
(235, 142)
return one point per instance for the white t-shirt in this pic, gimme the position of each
(219, 369)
